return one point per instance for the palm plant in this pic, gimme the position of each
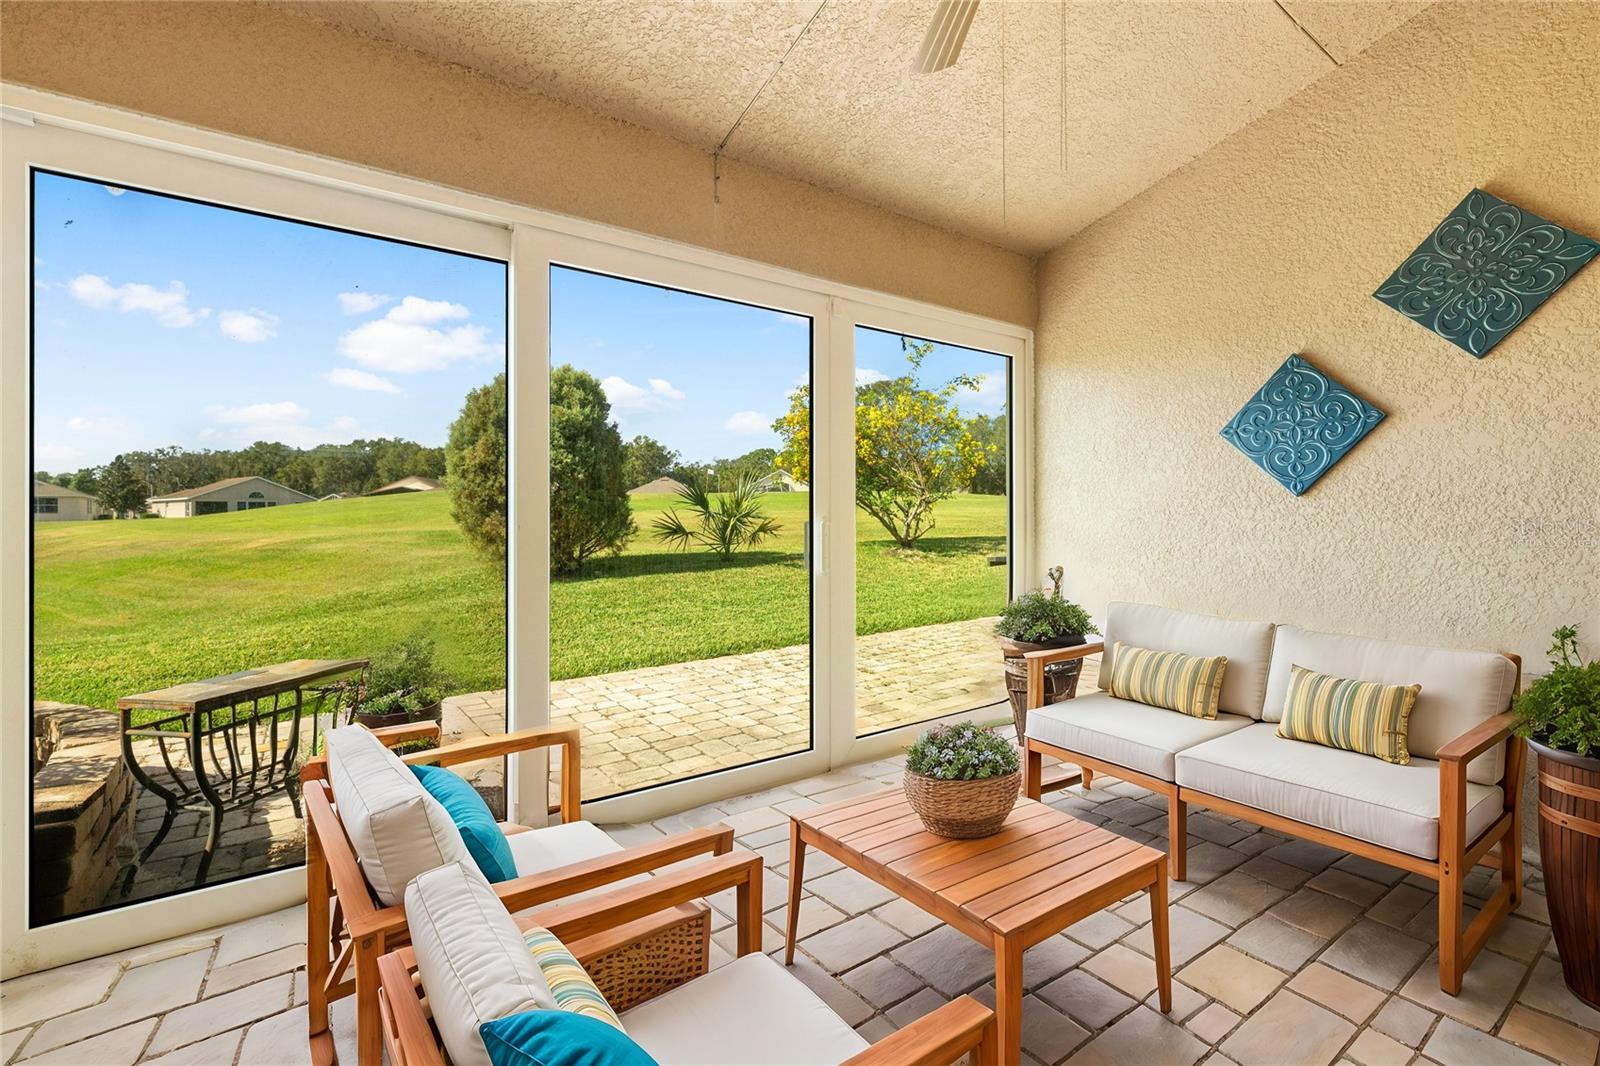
(722, 522)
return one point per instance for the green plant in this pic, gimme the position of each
(589, 512)
(410, 702)
(1562, 709)
(961, 752)
(723, 522)
(1037, 618)
(476, 458)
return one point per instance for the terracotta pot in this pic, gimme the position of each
(963, 810)
(1060, 679)
(1569, 851)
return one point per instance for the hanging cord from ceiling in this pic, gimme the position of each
(1309, 35)
(716, 154)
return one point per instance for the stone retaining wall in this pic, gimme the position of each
(83, 809)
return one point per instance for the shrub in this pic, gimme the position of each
(476, 459)
(1037, 618)
(405, 666)
(1562, 709)
(723, 524)
(589, 511)
(961, 752)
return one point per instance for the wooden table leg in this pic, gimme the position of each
(1008, 999)
(797, 868)
(1158, 931)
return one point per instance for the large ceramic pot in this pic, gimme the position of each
(1060, 679)
(963, 810)
(1569, 850)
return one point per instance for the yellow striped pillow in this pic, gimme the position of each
(1190, 684)
(569, 982)
(1360, 716)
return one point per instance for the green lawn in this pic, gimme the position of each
(122, 607)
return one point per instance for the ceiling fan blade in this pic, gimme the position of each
(942, 45)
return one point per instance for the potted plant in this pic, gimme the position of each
(962, 780)
(1033, 622)
(404, 686)
(1560, 717)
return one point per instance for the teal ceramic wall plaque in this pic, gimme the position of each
(1299, 424)
(1487, 267)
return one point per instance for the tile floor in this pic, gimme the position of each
(1284, 952)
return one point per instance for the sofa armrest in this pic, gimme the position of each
(1038, 660)
(493, 747)
(552, 885)
(938, 1039)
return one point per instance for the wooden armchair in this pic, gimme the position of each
(945, 1036)
(348, 929)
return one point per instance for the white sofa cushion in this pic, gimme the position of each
(1459, 688)
(750, 1012)
(395, 827)
(1134, 735)
(1248, 646)
(474, 964)
(1349, 793)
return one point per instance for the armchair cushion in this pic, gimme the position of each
(396, 828)
(750, 1012)
(1125, 733)
(1343, 791)
(479, 831)
(1248, 646)
(559, 1038)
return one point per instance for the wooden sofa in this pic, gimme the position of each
(348, 929)
(751, 1011)
(1455, 806)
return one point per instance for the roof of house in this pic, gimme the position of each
(660, 485)
(46, 488)
(413, 483)
(225, 483)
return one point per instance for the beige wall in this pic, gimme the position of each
(1471, 515)
(259, 72)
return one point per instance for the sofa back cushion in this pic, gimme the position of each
(396, 829)
(471, 957)
(1248, 646)
(1459, 688)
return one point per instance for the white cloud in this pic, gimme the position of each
(405, 342)
(114, 191)
(251, 327)
(991, 391)
(259, 414)
(92, 424)
(347, 377)
(359, 303)
(626, 397)
(285, 421)
(170, 307)
(748, 423)
(865, 375)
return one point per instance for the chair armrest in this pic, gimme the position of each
(738, 870)
(406, 1034)
(937, 1039)
(1038, 660)
(493, 747)
(1477, 740)
(551, 885)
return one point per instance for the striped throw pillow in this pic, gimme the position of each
(1190, 684)
(569, 982)
(1360, 716)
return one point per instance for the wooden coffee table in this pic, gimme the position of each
(1042, 872)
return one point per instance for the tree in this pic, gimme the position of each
(121, 490)
(757, 464)
(912, 447)
(994, 436)
(589, 511)
(477, 457)
(723, 524)
(645, 459)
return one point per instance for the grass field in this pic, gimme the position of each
(123, 607)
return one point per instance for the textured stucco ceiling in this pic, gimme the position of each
(1057, 112)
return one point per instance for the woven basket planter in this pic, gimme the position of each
(963, 810)
(1060, 679)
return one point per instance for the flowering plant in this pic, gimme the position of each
(961, 752)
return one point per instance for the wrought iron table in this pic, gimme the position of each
(253, 717)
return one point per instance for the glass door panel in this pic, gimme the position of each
(680, 472)
(933, 527)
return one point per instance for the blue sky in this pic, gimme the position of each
(707, 377)
(159, 321)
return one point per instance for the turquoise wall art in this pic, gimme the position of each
(1300, 424)
(1487, 266)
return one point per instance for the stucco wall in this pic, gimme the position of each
(1471, 516)
(261, 72)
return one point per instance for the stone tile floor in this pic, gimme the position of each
(1284, 952)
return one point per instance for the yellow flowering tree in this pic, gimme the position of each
(913, 449)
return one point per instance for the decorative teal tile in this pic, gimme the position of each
(1300, 424)
(1484, 270)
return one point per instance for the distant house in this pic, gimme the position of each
(408, 484)
(57, 503)
(334, 496)
(783, 481)
(229, 494)
(661, 486)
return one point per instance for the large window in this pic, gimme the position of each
(196, 360)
